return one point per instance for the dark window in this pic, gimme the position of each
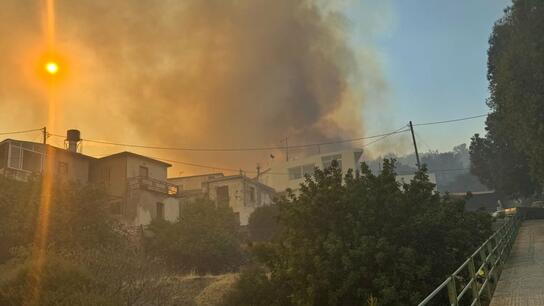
(15, 156)
(32, 161)
(160, 211)
(144, 172)
(222, 193)
(106, 176)
(62, 168)
(252, 194)
(327, 160)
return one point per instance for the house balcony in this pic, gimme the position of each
(151, 184)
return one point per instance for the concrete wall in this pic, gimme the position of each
(193, 182)
(156, 170)
(111, 173)
(145, 207)
(240, 195)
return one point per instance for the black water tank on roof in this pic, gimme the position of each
(73, 135)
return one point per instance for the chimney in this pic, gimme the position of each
(73, 138)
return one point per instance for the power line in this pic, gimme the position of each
(400, 130)
(448, 121)
(241, 148)
(21, 132)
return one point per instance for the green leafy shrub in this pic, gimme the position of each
(263, 223)
(344, 239)
(205, 240)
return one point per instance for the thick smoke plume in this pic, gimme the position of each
(201, 73)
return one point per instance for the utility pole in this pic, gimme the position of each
(415, 145)
(286, 148)
(44, 135)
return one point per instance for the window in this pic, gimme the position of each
(295, 173)
(222, 195)
(62, 168)
(160, 211)
(144, 172)
(252, 194)
(327, 160)
(32, 161)
(106, 176)
(308, 169)
(15, 157)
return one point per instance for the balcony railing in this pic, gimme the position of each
(151, 184)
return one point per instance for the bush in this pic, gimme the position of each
(263, 223)
(254, 288)
(205, 240)
(346, 239)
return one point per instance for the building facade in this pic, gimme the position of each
(239, 192)
(137, 185)
(290, 174)
(22, 160)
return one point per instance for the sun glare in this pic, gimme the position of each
(51, 67)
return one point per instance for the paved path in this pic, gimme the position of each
(522, 279)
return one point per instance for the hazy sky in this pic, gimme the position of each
(246, 73)
(433, 56)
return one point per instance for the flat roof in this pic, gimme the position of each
(126, 153)
(48, 146)
(239, 176)
(197, 175)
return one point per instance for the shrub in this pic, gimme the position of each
(205, 240)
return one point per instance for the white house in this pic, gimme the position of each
(289, 174)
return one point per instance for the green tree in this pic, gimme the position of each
(78, 216)
(344, 240)
(204, 240)
(499, 163)
(516, 74)
(263, 223)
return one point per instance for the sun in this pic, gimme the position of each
(51, 67)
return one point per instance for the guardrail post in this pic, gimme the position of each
(485, 270)
(452, 292)
(474, 285)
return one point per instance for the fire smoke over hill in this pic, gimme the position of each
(198, 73)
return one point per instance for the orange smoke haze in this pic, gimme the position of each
(201, 73)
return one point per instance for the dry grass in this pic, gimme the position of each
(201, 290)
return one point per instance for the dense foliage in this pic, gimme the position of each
(515, 130)
(87, 258)
(345, 240)
(205, 240)
(78, 217)
(263, 223)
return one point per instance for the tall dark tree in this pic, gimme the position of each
(516, 78)
(499, 164)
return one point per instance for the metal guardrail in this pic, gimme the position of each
(479, 274)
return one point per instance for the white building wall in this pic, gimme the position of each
(278, 175)
(240, 197)
(155, 170)
(193, 182)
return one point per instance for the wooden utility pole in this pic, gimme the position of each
(44, 135)
(286, 148)
(415, 145)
